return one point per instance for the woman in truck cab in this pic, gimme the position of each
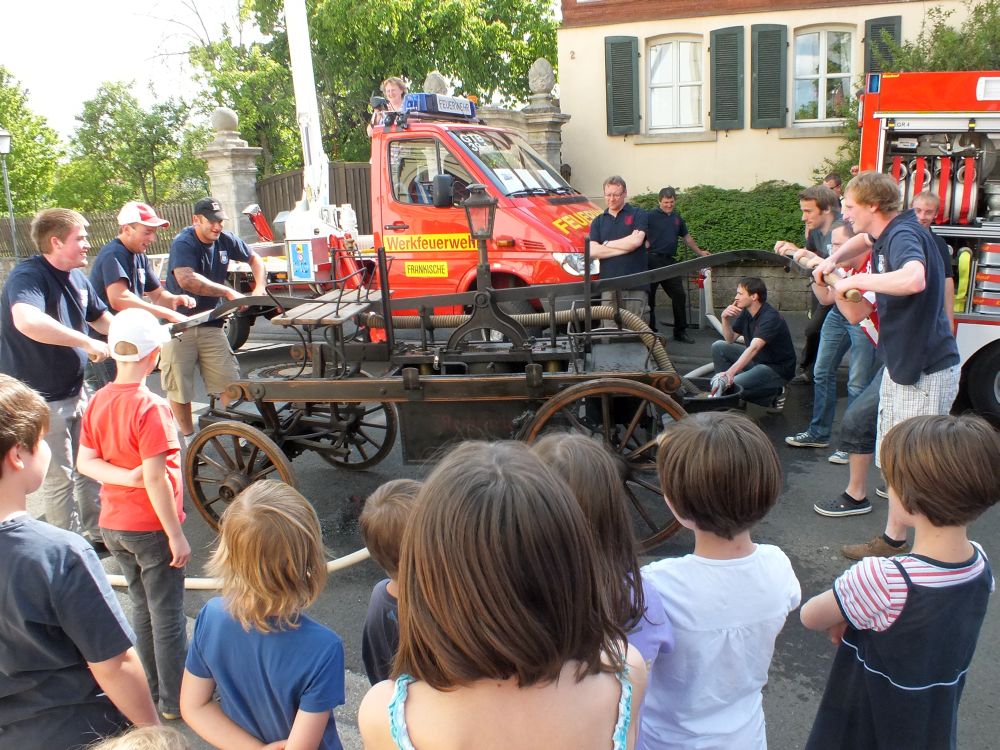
(394, 89)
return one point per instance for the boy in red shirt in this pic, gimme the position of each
(128, 441)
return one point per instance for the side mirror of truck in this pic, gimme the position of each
(443, 191)
(378, 102)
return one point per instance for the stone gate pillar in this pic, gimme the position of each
(232, 171)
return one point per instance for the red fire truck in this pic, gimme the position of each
(941, 132)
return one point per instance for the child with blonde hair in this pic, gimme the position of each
(279, 674)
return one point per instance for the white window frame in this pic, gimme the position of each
(675, 86)
(822, 76)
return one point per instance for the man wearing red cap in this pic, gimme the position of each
(123, 274)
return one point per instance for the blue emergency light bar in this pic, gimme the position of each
(438, 104)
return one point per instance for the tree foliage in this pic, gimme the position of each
(729, 219)
(121, 151)
(34, 152)
(484, 46)
(254, 80)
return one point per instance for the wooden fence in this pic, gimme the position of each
(350, 182)
(103, 228)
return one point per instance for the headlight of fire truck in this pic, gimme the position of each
(572, 263)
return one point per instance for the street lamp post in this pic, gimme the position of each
(480, 211)
(4, 150)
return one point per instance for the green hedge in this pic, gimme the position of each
(722, 220)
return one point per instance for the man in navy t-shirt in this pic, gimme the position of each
(665, 227)
(915, 340)
(617, 239)
(199, 262)
(767, 361)
(46, 307)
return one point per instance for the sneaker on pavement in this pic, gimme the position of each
(778, 405)
(806, 440)
(839, 457)
(882, 491)
(845, 505)
(683, 338)
(877, 547)
(802, 378)
(171, 715)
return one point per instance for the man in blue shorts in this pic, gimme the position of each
(199, 262)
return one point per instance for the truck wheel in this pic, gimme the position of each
(237, 328)
(983, 384)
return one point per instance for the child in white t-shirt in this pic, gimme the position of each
(728, 600)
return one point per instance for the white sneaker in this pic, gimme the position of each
(838, 457)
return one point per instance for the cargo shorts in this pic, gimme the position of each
(204, 348)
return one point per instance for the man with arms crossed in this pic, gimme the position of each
(915, 340)
(199, 262)
(617, 239)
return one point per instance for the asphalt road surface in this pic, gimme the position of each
(802, 658)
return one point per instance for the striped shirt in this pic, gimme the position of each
(872, 593)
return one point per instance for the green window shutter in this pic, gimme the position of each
(727, 78)
(621, 68)
(768, 77)
(875, 31)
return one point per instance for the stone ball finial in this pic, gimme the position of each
(541, 77)
(435, 83)
(224, 119)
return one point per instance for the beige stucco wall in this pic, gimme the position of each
(733, 159)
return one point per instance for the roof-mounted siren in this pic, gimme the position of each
(988, 89)
(439, 104)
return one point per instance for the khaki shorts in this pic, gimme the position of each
(205, 348)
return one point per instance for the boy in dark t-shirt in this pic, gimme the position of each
(383, 521)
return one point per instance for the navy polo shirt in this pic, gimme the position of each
(664, 230)
(115, 263)
(914, 335)
(946, 255)
(56, 372)
(211, 261)
(606, 227)
(820, 242)
(767, 324)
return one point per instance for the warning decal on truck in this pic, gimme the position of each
(426, 270)
(428, 243)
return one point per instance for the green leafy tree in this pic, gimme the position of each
(484, 46)
(254, 80)
(35, 148)
(121, 151)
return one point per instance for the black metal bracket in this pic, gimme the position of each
(486, 314)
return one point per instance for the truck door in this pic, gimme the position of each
(429, 248)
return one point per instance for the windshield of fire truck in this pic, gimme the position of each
(511, 163)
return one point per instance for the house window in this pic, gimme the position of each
(822, 75)
(675, 84)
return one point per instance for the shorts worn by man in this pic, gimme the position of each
(767, 361)
(665, 227)
(199, 262)
(915, 340)
(617, 239)
(46, 307)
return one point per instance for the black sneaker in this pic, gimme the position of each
(882, 491)
(683, 338)
(806, 440)
(778, 405)
(845, 505)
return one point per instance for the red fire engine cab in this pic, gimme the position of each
(941, 132)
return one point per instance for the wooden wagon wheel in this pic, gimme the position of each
(626, 416)
(224, 459)
(347, 435)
